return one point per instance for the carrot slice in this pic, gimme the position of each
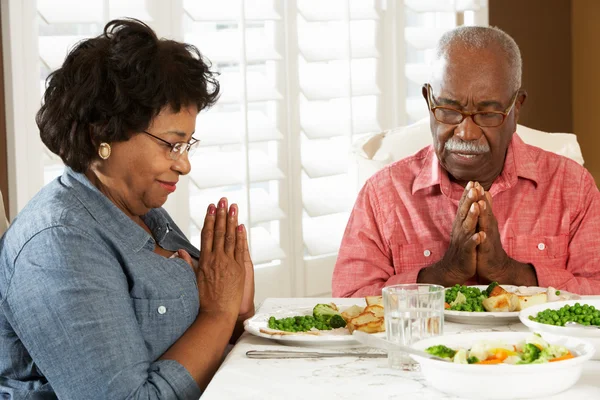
(490, 361)
(501, 355)
(565, 357)
(446, 305)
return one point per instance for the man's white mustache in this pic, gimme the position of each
(460, 146)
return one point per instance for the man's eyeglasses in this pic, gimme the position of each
(177, 149)
(452, 116)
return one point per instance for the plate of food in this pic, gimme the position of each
(496, 304)
(322, 324)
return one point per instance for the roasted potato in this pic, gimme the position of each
(501, 303)
(374, 300)
(376, 309)
(366, 322)
(533, 300)
(352, 312)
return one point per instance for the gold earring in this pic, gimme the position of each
(104, 150)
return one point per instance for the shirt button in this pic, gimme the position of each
(427, 253)
(162, 310)
(541, 246)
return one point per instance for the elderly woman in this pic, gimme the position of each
(101, 294)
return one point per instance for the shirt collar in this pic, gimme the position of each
(518, 164)
(525, 165)
(106, 213)
(431, 172)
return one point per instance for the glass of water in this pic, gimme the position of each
(413, 312)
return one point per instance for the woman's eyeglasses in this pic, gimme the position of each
(177, 149)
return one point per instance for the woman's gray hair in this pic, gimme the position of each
(482, 37)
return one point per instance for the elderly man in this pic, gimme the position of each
(479, 205)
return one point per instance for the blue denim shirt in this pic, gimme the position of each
(86, 306)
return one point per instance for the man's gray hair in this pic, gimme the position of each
(482, 37)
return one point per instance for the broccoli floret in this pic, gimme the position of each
(441, 351)
(337, 321)
(489, 289)
(530, 353)
(328, 314)
(472, 360)
(324, 312)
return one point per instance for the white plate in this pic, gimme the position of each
(502, 381)
(335, 337)
(493, 318)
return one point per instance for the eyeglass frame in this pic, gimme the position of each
(465, 114)
(173, 154)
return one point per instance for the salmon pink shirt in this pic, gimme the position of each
(547, 207)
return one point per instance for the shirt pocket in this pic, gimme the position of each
(539, 249)
(161, 321)
(408, 257)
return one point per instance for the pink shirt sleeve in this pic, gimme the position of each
(582, 272)
(364, 264)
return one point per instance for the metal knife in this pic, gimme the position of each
(264, 354)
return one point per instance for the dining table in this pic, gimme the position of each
(349, 377)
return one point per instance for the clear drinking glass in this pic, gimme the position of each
(412, 312)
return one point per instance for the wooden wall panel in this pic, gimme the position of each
(542, 29)
(586, 81)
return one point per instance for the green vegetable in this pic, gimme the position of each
(337, 321)
(300, 323)
(324, 312)
(557, 293)
(325, 317)
(530, 354)
(490, 288)
(472, 360)
(473, 298)
(583, 314)
(441, 351)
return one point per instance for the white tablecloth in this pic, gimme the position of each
(241, 378)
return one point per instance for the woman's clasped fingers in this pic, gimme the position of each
(241, 244)
(208, 230)
(231, 235)
(220, 226)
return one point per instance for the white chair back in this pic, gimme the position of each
(374, 151)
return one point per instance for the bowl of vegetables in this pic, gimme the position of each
(527, 365)
(550, 319)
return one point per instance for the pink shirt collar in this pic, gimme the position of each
(518, 164)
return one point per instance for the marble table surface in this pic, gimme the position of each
(351, 378)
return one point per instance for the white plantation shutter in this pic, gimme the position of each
(301, 80)
(426, 21)
(339, 62)
(241, 153)
(63, 23)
